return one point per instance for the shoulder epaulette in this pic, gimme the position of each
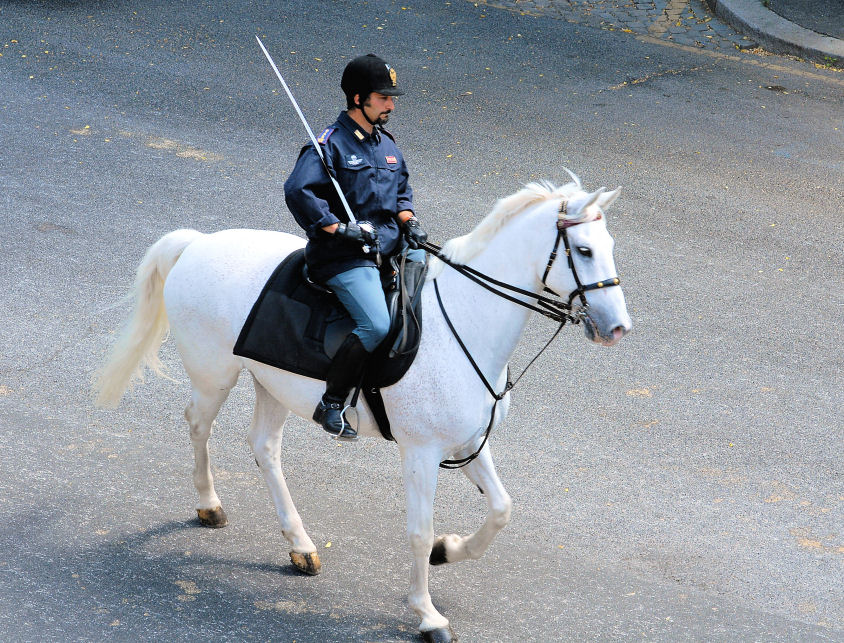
(323, 138)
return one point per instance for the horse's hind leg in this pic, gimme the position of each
(265, 439)
(452, 548)
(203, 408)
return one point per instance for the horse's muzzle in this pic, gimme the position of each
(611, 338)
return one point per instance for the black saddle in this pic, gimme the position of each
(297, 325)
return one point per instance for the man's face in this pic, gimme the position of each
(378, 107)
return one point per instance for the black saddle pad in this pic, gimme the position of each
(297, 326)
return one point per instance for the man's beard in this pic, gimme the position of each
(382, 119)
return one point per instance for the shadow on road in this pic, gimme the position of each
(147, 586)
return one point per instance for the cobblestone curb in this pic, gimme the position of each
(686, 22)
(777, 34)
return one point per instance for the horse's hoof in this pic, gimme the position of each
(438, 554)
(212, 517)
(306, 563)
(439, 635)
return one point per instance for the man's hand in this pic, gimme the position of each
(414, 233)
(363, 235)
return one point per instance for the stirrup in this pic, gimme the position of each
(352, 435)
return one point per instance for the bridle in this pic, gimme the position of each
(555, 309)
(562, 226)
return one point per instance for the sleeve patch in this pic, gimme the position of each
(322, 138)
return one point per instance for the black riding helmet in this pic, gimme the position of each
(367, 74)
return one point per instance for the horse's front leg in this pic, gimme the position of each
(452, 548)
(420, 468)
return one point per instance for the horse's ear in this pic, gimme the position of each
(580, 203)
(606, 199)
(573, 176)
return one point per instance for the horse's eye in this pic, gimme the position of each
(586, 252)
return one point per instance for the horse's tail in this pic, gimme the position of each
(138, 343)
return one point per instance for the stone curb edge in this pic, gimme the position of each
(777, 34)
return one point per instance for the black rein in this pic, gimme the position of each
(557, 310)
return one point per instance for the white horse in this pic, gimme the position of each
(203, 287)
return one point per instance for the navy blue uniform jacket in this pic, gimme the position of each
(373, 176)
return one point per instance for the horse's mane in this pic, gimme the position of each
(462, 249)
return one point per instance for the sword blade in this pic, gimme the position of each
(310, 132)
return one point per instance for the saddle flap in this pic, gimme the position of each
(297, 325)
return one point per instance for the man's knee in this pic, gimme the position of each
(381, 327)
(374, 333)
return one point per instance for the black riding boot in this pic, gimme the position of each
(344, 374)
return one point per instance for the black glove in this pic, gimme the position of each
(414, 233)
(363, 235)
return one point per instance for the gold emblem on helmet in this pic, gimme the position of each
(392, 75)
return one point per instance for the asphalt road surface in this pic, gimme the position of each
(683, 485)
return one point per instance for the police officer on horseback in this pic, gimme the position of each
(344, 255)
